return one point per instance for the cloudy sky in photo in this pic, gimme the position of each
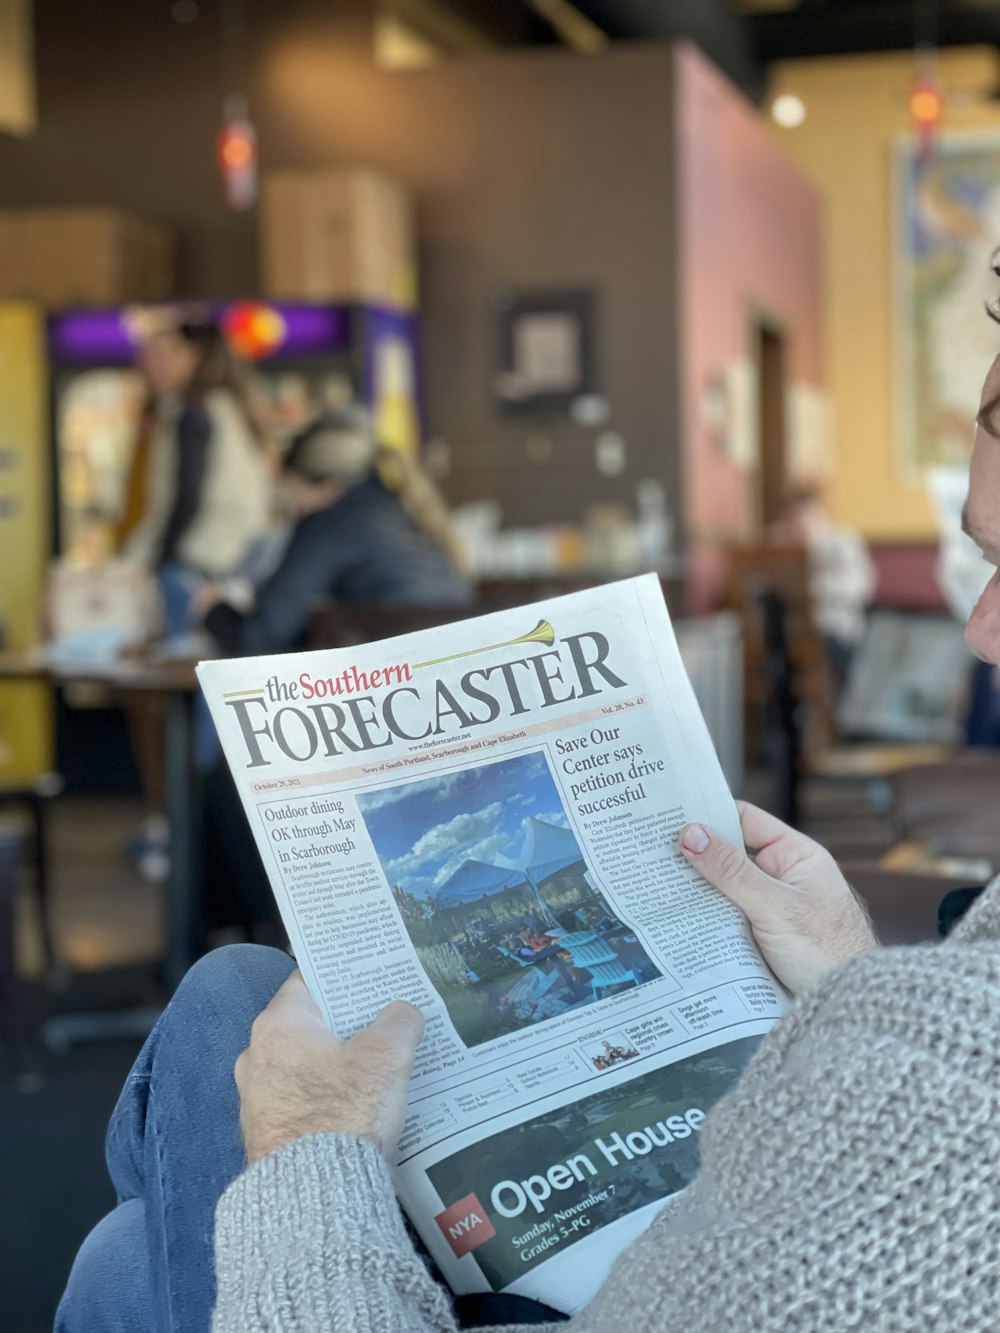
(423, 831)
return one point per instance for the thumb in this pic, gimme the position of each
(731, 871)
(401, 1024)
(292, 999)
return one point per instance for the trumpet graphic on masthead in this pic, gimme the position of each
(542, 633)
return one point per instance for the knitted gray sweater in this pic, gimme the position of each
(851, 1181)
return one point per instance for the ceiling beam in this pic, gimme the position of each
(464, 26)
(876, 25)
(574, 28)
(711, 24)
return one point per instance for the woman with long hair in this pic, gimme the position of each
(200, 493)
(198, 498)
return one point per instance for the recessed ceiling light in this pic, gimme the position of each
(788, 111)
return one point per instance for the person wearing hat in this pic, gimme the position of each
(369, 527)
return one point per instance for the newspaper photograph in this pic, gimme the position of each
(482, 819)
(505, 917)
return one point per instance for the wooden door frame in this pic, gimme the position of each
(762, 321)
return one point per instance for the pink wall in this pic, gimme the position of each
(907, 576)
(749, 239)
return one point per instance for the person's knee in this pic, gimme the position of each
(211, 1013)
(242, 976)
(189, 1057)
(109, 1285)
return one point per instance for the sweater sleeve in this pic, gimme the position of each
(848, 1182)
(312, 1238)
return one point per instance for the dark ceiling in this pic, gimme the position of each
(744, 36)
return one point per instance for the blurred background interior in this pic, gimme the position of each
(689, 286)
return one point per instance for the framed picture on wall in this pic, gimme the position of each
(946, 228)
(546, 355)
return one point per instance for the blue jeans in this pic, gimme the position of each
(173, 1146)
(177, 587)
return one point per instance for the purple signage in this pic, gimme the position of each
(257, 331)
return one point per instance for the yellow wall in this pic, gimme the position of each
(856, 111)
(25, 709)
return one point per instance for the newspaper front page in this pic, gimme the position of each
(482, 819)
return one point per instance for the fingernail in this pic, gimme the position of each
(695, 838)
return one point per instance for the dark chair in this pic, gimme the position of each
(336, 624)
(20, 845)
(31, 799)
(782, 738)
(769, 587)
(951, 806)
(347, 624)
(15, 1032)
(505, 594)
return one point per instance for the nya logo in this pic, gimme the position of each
(465, 1225)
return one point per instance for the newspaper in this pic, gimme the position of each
(482, 819)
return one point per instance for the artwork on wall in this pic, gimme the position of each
(809, 434)
(546, 350)
(947, 226)
(730, 413)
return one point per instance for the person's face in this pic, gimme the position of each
(981, 521)
(799, 523)
(297, 494)
(167, 362)
(304, 497)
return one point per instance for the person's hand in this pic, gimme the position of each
(204, 599)
(803, 913)
(297, 1077)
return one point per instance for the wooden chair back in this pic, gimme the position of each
(761, 578)
(347, 624)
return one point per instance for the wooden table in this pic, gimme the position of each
(178, 685)
(925, 858)
(852, 763)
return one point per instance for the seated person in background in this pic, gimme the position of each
(578, 979)
(369, 527)
(842, 577)
(536, 943)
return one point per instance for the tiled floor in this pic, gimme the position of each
(103, 913)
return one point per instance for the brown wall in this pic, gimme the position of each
(531, 169)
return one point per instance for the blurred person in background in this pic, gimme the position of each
(842, 576)
(369, 526)
(200, 492)
(199, 496)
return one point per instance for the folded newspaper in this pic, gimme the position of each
(482, 819)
